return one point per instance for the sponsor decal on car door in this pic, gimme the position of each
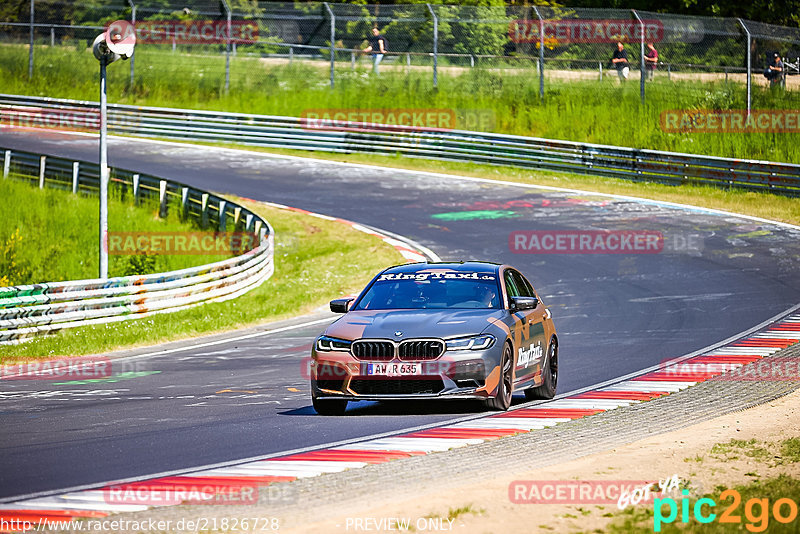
(530, 343)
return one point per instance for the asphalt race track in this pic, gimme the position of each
(616, 313)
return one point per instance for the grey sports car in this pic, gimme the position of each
(473, 330)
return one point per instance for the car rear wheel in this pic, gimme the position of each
(502, 400)
(550, 374)
(329, 406)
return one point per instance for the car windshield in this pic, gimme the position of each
(431, 289)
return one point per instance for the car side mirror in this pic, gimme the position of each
(340, 305)
(523, 303)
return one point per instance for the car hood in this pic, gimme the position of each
(412, 323)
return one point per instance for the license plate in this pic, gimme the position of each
(394, 369)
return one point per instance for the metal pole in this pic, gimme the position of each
(541, 52)
(227, 47)
(333, 40)
(133, 21)
(103, 175)
(30, 48)
(435, 45)
(641, 55)
(749, 65)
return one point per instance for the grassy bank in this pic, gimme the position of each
(581, 110)
(49, 235)
(315, 261)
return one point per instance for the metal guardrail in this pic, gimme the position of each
(456, 145)
(36, 309)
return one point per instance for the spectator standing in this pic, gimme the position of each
(774, 71)
(377, 47)
(651, 60)
(620, 61)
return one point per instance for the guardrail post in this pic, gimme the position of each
(135, 188)
(30, 47)
(162, 198)
(184, 200)
(541, 51)
(257, 228)
(222, 216)
(237, 216)
(76, 170)
(333, 39)
(6, 163)
(42, 163)
(204, 210)
(435, 45)
(248, 222)
(227, 9)
(133, 21)
(642, 70)
(749, 64)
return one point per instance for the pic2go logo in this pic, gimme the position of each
(756, 511)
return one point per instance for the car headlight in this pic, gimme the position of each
(481, 342)
(327, 344)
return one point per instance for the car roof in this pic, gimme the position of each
(465, 266)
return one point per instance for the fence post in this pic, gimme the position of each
(30, 47)
(42, 163)
(133, 21)
(333, 39)
(600, 65)
(6, 163)
(204, 210)
(541, 51)
(642, 70)
(222, 215)
(227, 8)
(291, 54)
(184, 200)
(353, 60)
(749, 64)
(76, 172)
(435, 45)
(162, 198)
(135, 189)
(52, 36)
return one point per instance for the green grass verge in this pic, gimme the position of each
(49, 235)
(640, 519)
(580, 110)
(315, 261)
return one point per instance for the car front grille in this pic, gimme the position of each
(427, 349)
(381, 351)
(401, 386)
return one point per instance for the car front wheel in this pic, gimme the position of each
(329, 406)
(502, 400)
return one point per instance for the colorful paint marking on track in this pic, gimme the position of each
(720, 363)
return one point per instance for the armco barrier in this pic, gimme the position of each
(30, 310)
(458, 145)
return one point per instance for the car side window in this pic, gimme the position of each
(511, 287)
(524, 289)
(528, 287)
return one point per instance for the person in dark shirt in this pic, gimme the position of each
(774, 72)
(377, 47)
(620, 61)
(651, 60)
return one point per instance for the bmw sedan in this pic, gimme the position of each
(469, 330)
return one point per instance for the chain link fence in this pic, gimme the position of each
(232, 42)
